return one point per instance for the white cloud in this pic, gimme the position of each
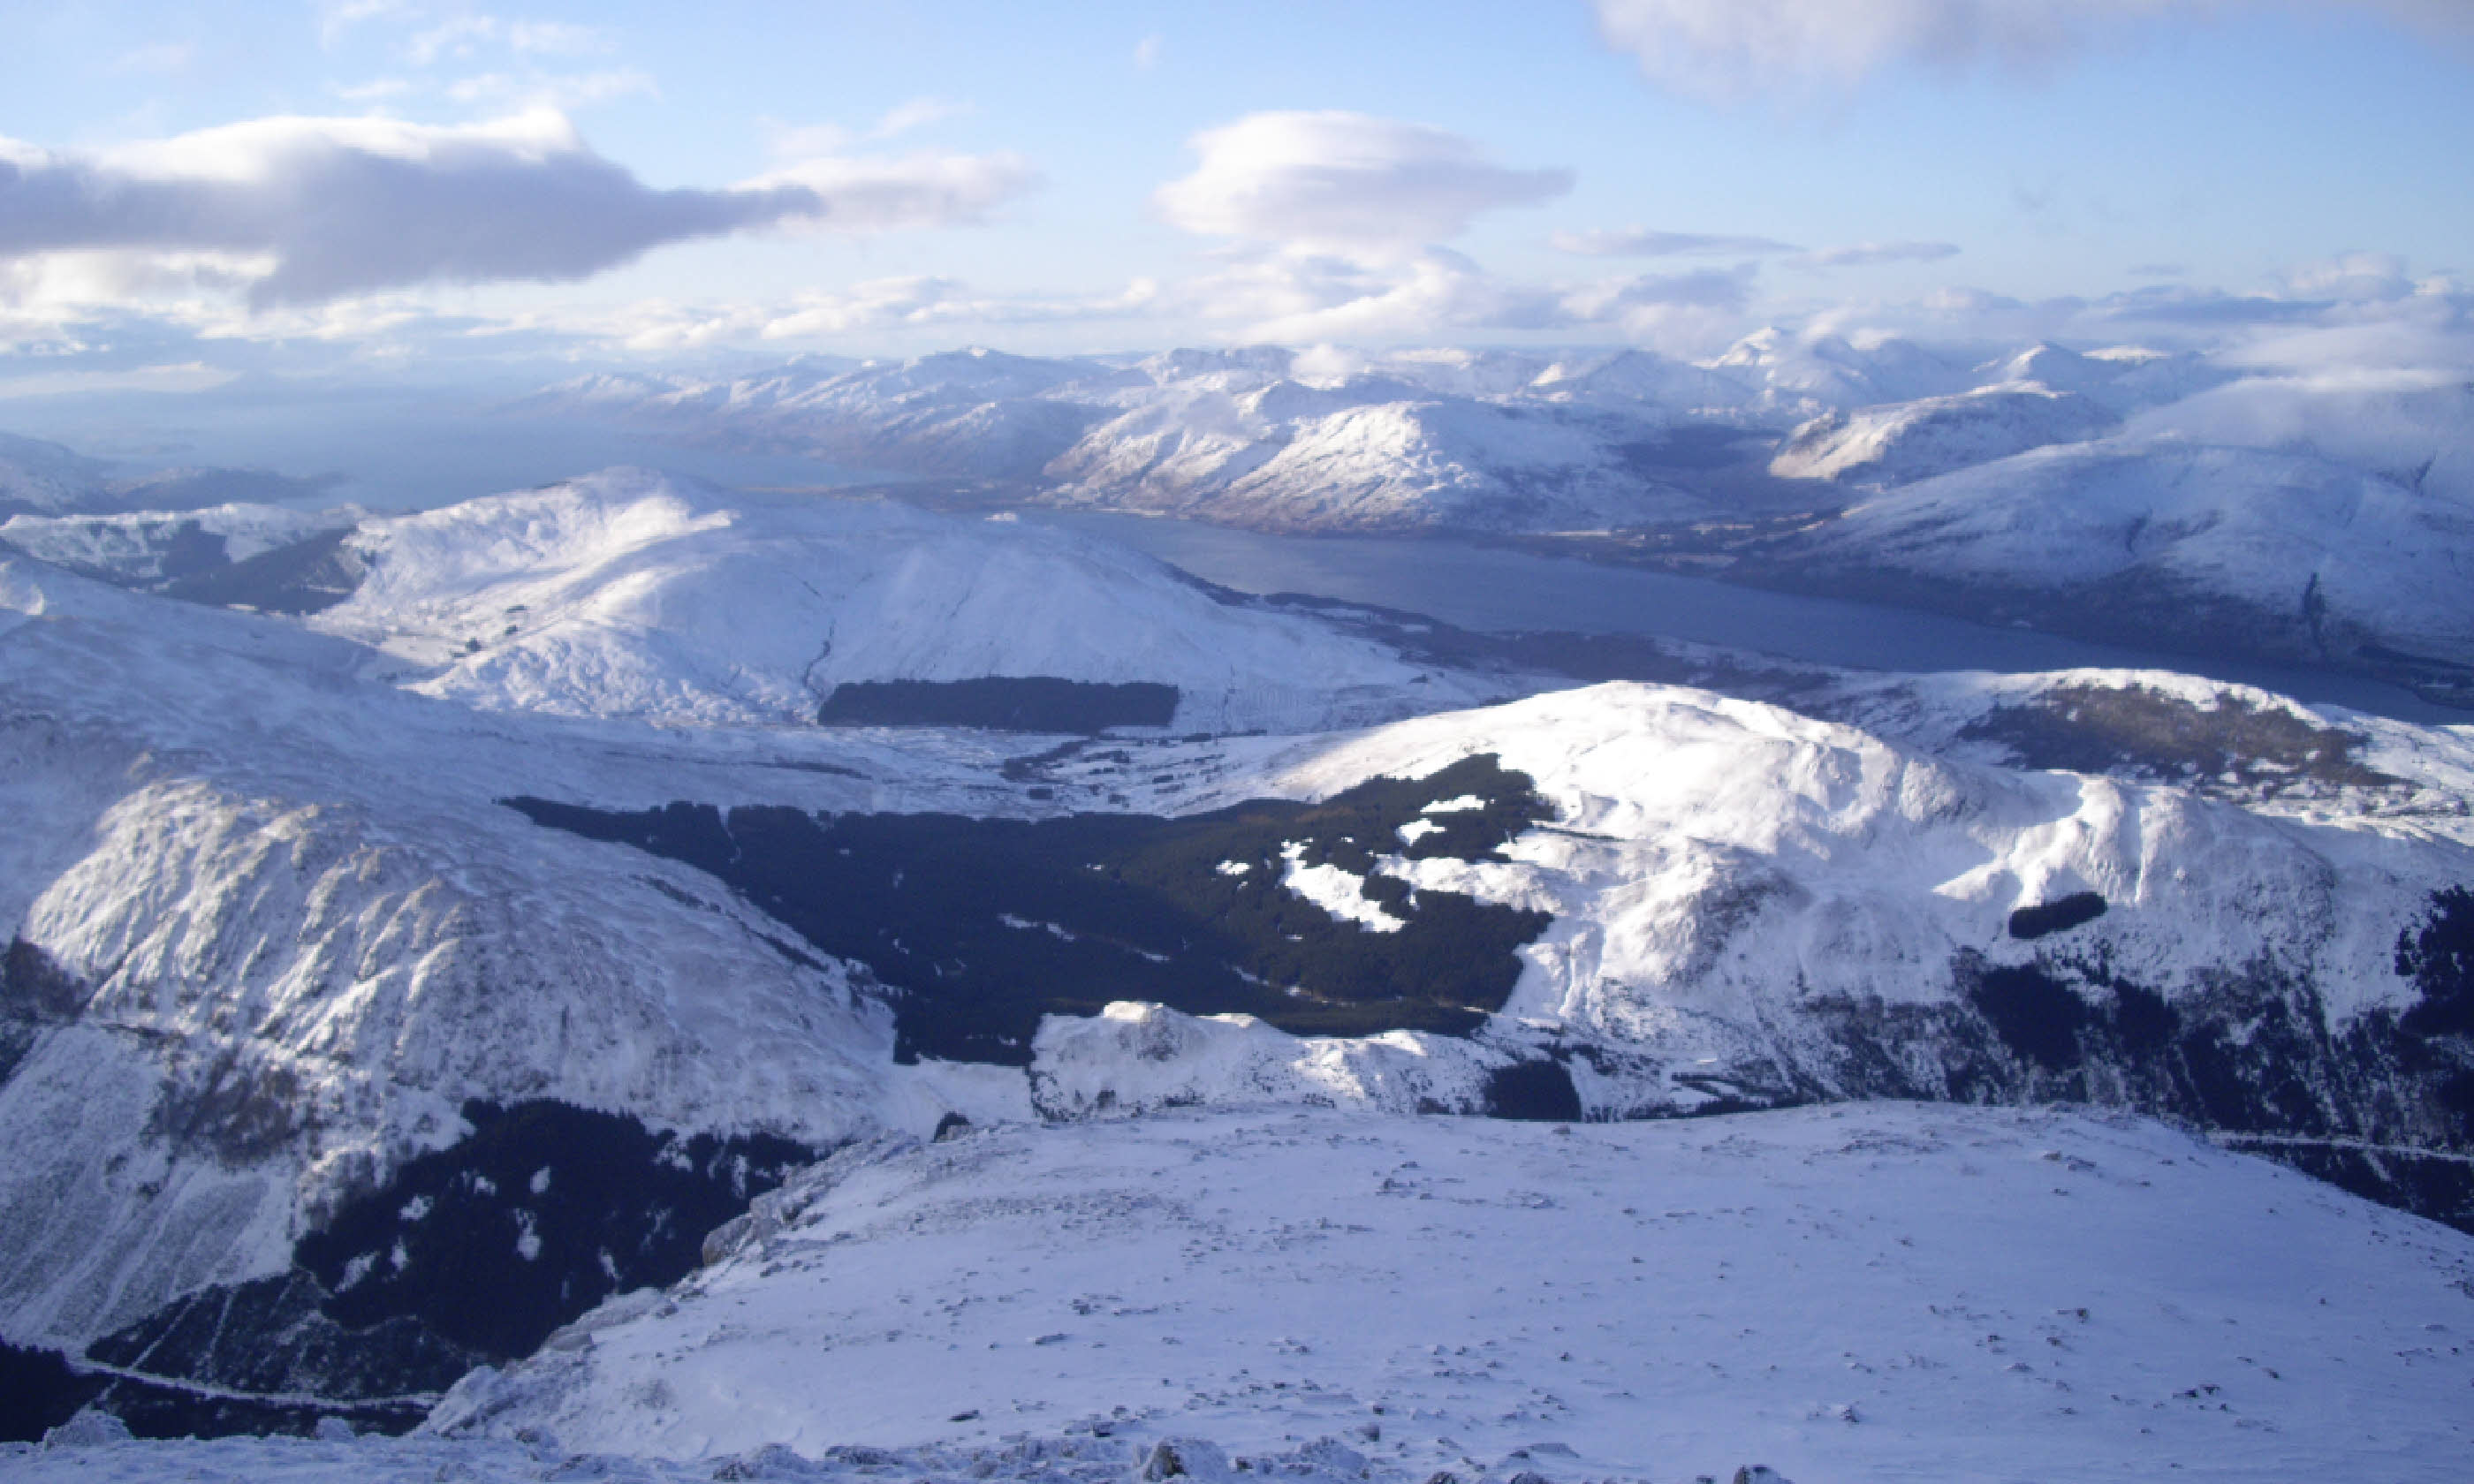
(1288, 295)
(1730, 48)
(1147, 52)
(870, 193)
(186, 377)
(456, 37)
(1870, 254)
(2352, 277)
(374, 90)
(335, 17)
(916, 114)
(804, 140)
(1641, 242)
(464, 34)
(555, 39)
(546, 91)
(1344, 179)
(874, 308)
(1296, 296)
(302, 210)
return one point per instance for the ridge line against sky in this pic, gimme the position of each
(218, 187)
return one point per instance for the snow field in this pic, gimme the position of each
(1887, 1292)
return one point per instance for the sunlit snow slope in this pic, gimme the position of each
(627, 594)
(1887, 1292)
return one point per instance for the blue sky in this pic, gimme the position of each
(220, 183)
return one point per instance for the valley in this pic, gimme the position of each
(622, 816)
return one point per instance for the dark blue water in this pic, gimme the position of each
(1491, 590)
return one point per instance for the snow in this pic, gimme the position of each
(1636, 379)
(1910, 440)
(1336, 892)
(1367, 454)
(2416, 428)
(2123, 379)
(1803, 375)
(978, 414)
(1334, 440)
(45, 477)
(274, 853)
(260, 858)
(1844, 852)
(1882, 1292)
(2390, 564)
(628, 594)
(2220, 490)
(1492, 441)
(131, 547)
(263, 866)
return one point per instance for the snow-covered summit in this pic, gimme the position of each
(1369, 454)
(1639, 379)
(1936, 434)
(2123, 379)
(630, 594)
(1420, 440)
(1800, 376)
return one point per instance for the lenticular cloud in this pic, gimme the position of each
(1344, 178)
(328, 208)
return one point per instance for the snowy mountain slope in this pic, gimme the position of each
(2414, 428)
(2171, 497)
(1409, 441)
(149, 547)
(275, 929)
(1361, 457)
(1909, 441)
(39, 476)
(1745, 906)
(1801, 377)
(1787, 842)
(274, 924)
(1638, 378)
(627, 594)
(975, 413)
(2041, 395)
(42, 478)
(2256, 552)
(1887, 1292)
(2123, 379)
(2237, 744)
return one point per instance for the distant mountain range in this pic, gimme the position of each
(2118, 492)
(404, 964)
